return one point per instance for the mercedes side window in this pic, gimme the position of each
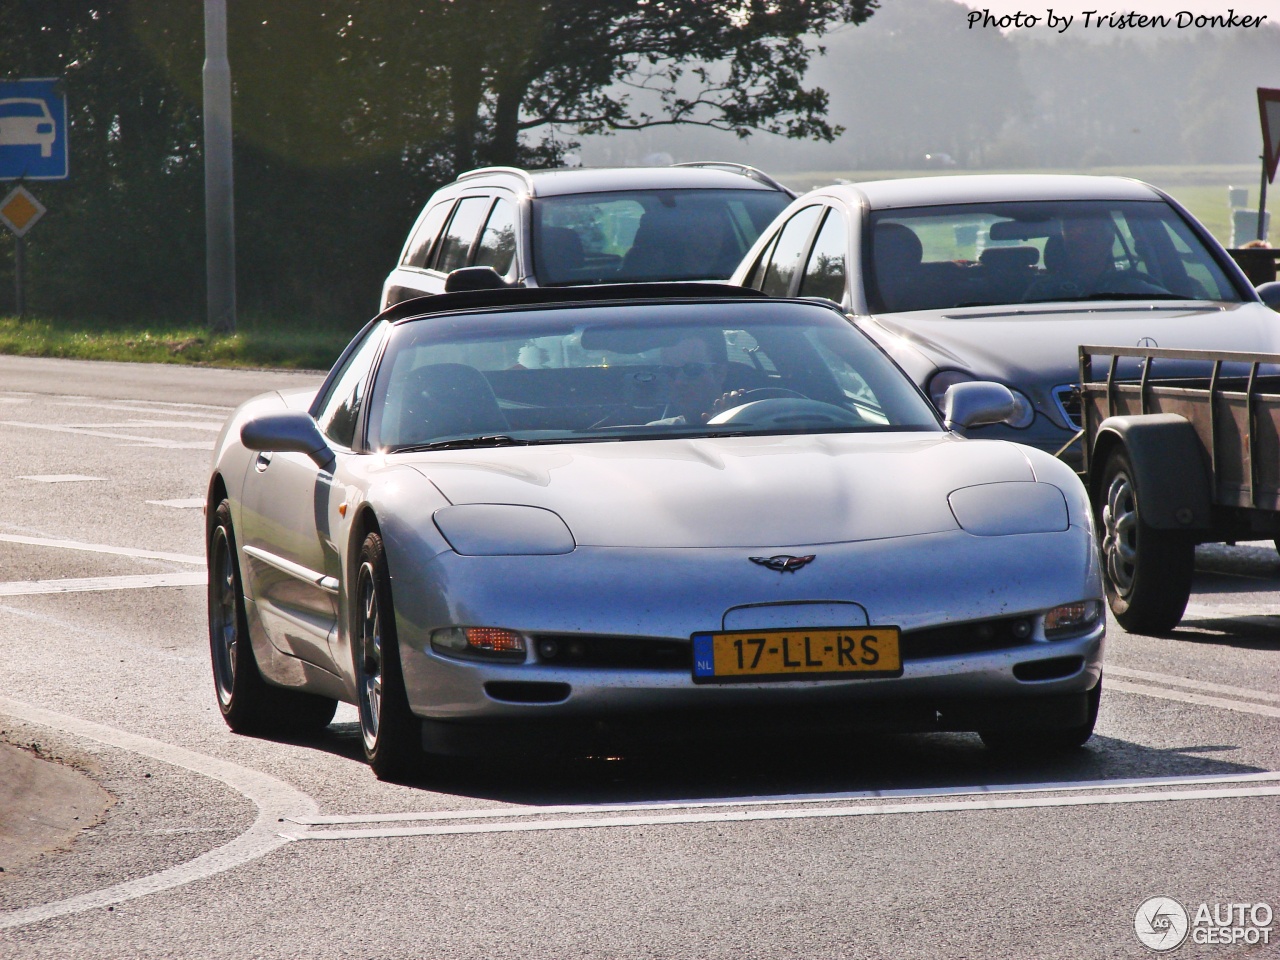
(789, 251)
(341, 410)
(424, 238)
(824, 275)
(460, 235)
(497, 247)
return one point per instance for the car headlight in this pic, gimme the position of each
(503, 530)
(1071, 619)
(938, 383)
(1012, 507)
(1024, 411)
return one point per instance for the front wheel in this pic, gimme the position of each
(388, 730)
(1147, 572)
(248, 703)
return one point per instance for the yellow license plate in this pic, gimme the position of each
(800, 654)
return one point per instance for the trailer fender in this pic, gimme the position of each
(1171, 474)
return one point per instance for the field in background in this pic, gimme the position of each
(1201, 189)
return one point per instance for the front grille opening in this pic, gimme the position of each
(578, 650)
(1068, 400)
(1053, 669)
(527, 691)
(961, 638)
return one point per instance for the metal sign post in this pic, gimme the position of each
(19, 211)
(1269, 109)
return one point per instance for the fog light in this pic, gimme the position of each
(478, 643)
(1021, 629)
(548, 649)
(1071, 618)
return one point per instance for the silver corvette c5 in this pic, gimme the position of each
(589, 517)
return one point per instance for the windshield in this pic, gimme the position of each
(635, 371)
(635, 235)
(930, 258)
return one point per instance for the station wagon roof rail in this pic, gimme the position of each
(753, 172)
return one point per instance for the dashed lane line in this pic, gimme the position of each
(1160, 693)
(101, 548)
(275, 800)
(142, 441)
(146, 581)
(1169, 680)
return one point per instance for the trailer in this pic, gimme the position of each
(1181, 447)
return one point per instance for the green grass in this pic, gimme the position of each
(288, 345)
(1201, 189)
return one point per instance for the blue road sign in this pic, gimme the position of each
(33, 130)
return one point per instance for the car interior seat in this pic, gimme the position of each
(560, 254)
(897, 254)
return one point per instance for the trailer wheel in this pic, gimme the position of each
(1147, 572)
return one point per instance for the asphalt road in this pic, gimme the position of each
(217, 845)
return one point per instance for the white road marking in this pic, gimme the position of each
(202, 410)
(1169, 680)
(175, 424)
(190, 503)
(1229, 779)
(141, 441)
(743, 816)
(102, 548)
(148, 406)
(1160, 693)
(60, 478)
(1203, 611)
(275, 800)
(24, 588)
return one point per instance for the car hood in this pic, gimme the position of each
(733, 491)
(1034, 345)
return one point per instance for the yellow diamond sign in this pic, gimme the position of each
(19, 211)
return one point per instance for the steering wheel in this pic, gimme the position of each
(787, 412)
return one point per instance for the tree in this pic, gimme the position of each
(514, 67)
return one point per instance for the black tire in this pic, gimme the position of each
(1046, 741)
(389, 732)
(1147, 572)
(248, 703)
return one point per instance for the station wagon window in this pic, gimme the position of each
(825, 273)
(497, 247)
(424, 237)
(455, 248)
(341, 410)
(789, 251)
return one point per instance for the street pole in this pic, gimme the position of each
(219, 196)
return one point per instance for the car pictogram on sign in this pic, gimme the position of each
(26, 121)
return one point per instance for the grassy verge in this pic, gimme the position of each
(293, 346)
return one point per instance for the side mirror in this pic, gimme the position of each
(291, 432)
(1270, 294)
(977, 403)
(474, 278)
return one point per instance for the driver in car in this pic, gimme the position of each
(1082, 264)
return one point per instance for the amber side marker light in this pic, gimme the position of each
(1071, 618)
(479, 643)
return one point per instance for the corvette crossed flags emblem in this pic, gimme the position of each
(783, 563)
